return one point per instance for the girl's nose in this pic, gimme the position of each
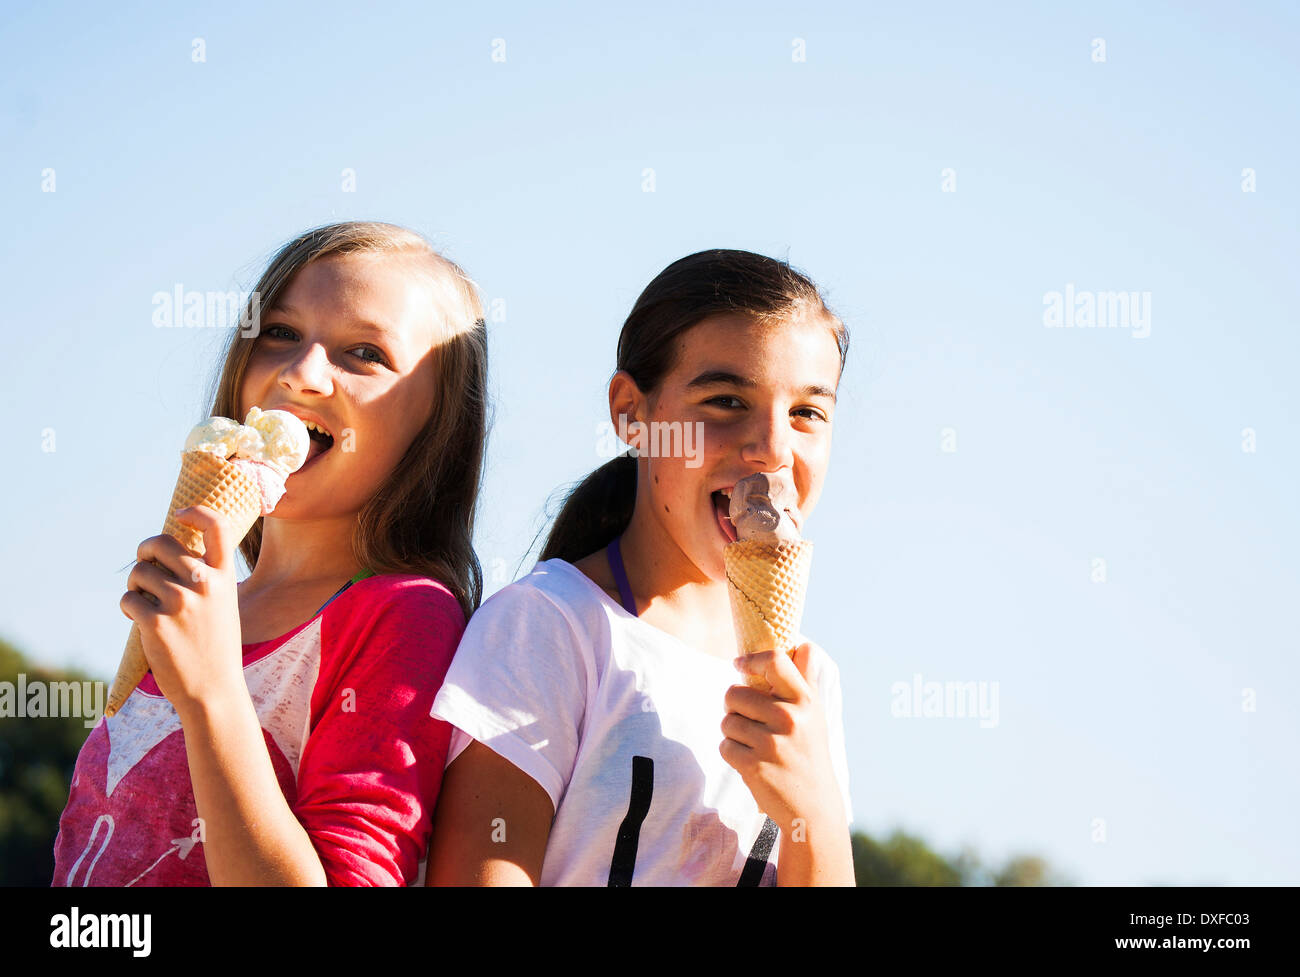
(768, 443)
(308, 372)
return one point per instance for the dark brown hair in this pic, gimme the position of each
(422, 520)
(704, 284)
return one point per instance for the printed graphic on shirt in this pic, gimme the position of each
(343, 703)
(623, 865)
(702, 837)
(757, 864)
(131, 792)
(684, 802)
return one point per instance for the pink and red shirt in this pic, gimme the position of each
(344, 703)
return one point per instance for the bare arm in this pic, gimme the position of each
(251, 835)
(491, 824)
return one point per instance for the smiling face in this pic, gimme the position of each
(765, 394)
(349, 345)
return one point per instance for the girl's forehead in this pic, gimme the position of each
(390, 292)
(805, 344)
(358, 277)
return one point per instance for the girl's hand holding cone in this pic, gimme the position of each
(235, 470)
(191, 637)
(777, 741)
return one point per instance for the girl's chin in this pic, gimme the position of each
(713, 562)
(715, 566)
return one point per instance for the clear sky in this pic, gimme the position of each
(1065, 515)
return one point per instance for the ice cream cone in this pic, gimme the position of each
(767, 582)
(205, 479)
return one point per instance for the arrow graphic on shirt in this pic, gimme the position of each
(146, 720)
(107, 821)
(182, 845)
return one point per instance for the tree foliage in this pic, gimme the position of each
(37, 756)
(902, 859)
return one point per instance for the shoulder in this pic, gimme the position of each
(555, 594)
(397, 609)
(402, 592)
(535, 648)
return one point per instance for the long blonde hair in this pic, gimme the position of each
(422, 520)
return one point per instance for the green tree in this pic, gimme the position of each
(1026, 870)
(902, 859)
(37, 756)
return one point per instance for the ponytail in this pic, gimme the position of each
(595, 513)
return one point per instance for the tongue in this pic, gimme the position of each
(721, 507)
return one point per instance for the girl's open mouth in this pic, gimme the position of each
(721, 511)
(319, 442)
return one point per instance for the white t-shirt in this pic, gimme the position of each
(619, 722)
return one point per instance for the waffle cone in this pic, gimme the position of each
(766, 583)
(205, 479)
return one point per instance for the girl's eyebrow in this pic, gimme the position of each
(710, 378)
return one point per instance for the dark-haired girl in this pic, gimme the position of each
(604, 733)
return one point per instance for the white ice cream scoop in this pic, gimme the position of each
(272, 437)
(270, 446)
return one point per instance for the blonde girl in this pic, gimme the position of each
(283, 735)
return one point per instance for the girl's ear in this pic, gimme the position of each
(627, 407)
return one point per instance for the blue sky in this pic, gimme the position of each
(1122, 751)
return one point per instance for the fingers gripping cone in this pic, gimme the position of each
(205, 479)
(767, 582)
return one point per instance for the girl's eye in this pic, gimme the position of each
(375, 357)
(812, 413)
(725, 400)
(286, 332)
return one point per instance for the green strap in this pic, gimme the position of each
(360, 576)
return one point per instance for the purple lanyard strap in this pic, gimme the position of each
(620, 577)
